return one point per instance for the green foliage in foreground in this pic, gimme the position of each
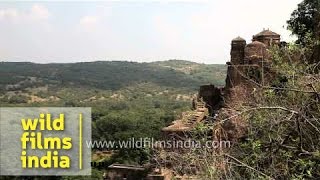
(283, 140)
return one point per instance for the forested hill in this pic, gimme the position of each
(111, 75)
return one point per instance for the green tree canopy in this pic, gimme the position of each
(304, 21)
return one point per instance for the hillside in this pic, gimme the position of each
(110, 75)
(212, 73)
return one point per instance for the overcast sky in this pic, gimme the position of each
(140, 31)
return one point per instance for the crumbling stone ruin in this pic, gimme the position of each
(212, 96)
(248, 67)
(248, 61)
(180, 127)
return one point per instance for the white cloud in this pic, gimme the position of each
(39, 12)
(89, 22)
(36, 12)
(8, 14)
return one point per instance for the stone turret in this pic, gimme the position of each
(237, 58)
(267, 37)
(237, 50)
(255, 57)
(255, 52)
